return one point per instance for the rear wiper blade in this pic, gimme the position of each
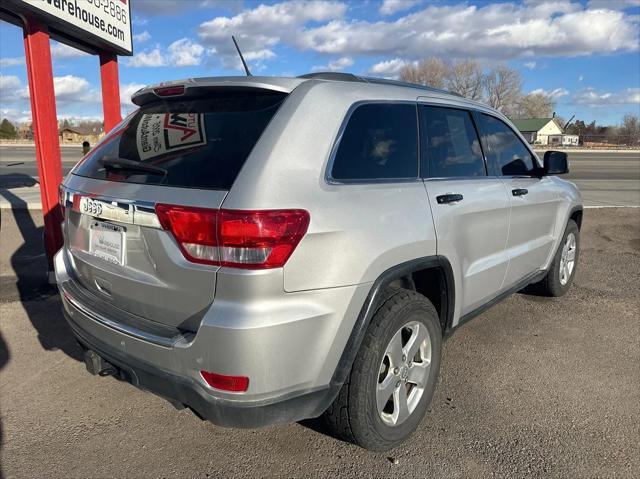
(124, 164)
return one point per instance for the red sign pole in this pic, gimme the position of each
(45, 130)
(110, 90)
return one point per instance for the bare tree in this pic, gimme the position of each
(429, 72)
(465, 78)
(503, 86)
(630, 129)
(535, 105)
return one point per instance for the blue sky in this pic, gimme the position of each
(585, 53)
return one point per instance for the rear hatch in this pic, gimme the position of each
(184, 149)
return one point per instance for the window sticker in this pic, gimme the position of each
(162, 133)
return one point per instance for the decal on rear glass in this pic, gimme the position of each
(162, 133)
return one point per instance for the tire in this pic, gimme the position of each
(354, 416)
(555, 283)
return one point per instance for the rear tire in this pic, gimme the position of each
(562, 270)
(401, 349)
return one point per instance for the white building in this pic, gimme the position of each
(563, 140)
(538, 130)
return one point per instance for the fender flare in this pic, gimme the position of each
(370, 305)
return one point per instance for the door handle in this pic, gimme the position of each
(519, 192)
(451, 198)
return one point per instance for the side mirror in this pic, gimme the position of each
(556, 163)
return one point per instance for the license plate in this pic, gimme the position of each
(106, 241)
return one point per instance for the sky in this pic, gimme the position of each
(583, 53)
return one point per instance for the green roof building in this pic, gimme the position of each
(538, 130)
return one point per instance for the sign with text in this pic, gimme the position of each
(162, 133)
(104, 25)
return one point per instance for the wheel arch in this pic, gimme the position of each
(417, 274)
(576, 215)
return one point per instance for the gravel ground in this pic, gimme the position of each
(534, 387)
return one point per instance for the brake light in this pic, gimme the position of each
(226, 383)
(251, 239)
(169, 90)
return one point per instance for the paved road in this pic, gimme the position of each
(584, 166)
(533, 388)
(605, 179)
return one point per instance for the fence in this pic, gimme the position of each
(609, 141)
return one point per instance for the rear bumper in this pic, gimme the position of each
(189, 393)
(289, 348)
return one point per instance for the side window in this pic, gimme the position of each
(380, 141)
(504, 149)
(450, 144)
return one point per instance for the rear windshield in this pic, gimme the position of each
(189, 143)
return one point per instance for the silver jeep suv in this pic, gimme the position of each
(263, 250)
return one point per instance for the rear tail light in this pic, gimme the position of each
(226, 383)
(247, 239)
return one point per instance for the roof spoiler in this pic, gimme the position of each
(192, 89)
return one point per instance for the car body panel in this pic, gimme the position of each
(472, 235)
(288, 328)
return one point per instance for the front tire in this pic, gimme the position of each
(562, 270)
(394, 375)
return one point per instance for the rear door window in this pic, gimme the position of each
(504, 150)
(450, 144)
(380, 142)
(192, 143)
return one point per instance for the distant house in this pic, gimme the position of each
(25, 131)
(75, 135)
(538, 130)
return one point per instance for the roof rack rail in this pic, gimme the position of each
(384, 81)
(339, 76)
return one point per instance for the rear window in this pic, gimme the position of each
(191, 143)
(380, 141)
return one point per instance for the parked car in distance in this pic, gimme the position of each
(263, 250)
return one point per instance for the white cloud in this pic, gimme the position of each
(389, 7)
(529, 65)
(613, 4)
(127, 90)
(73, 88)
(61, 51)
(151, 58)
(76, 98)
(11, 62)
(555, 93)
(590, 97)
(497, 31)
(184, 53)
(389, 68)
(9, 85)
(263, 27)
(180, 53)
(336, 65)
(581, 77)
(142, 37)
(490, 32)
(256, 55)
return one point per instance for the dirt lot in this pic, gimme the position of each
(532, 388)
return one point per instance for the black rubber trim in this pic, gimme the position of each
(573, 210)
(183, 391)
(447, 302)
(526, 281)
